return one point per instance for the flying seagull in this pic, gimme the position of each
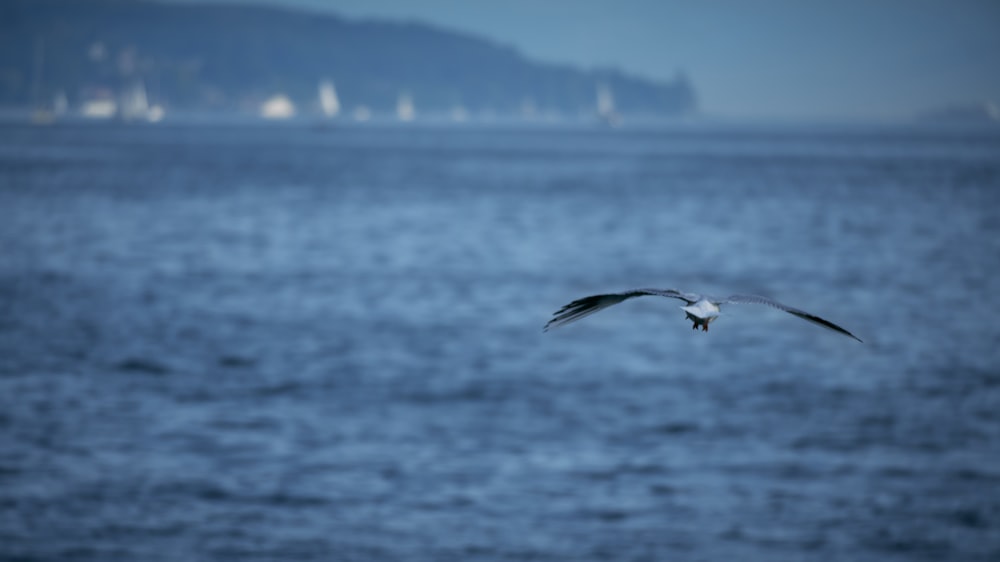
(701, 309)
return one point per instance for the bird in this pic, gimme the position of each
(701, 309)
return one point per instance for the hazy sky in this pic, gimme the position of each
(747, 58)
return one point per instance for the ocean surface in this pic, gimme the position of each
(284, 343)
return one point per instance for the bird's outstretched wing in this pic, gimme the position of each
(755, 299)
(581, 308)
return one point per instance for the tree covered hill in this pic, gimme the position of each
(228, 57)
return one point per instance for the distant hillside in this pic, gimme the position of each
(228, 57)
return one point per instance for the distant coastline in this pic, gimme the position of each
(143, 61)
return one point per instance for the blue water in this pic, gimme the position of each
(244, 343)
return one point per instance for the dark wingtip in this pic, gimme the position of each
(845, 332)
(841, 330)
(821, 321)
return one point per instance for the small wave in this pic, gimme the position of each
(663, 489)
(280, 389)
(677, 428)
(142, 366)
(459, 393)
(897, 472)
(898, 542)
(213, 492)
(973, 475)
(969, 517)
(607, 515)
(235, 361)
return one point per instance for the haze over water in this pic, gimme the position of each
(282, 343)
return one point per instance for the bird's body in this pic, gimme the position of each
(702, 312)
(700, 309)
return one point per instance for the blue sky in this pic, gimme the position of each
(785, 59)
